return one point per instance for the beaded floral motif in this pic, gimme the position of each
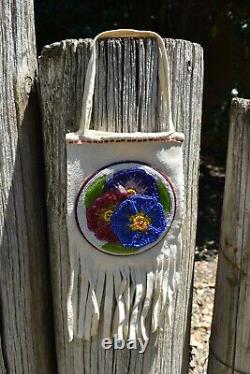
(99, 216)
(125, 210)
(138, 221)
(133, 181)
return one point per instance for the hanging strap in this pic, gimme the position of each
(163, 74)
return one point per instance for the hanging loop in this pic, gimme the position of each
(163, 74)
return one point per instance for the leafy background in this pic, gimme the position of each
(221, 27)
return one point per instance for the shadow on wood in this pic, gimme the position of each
(26, 303)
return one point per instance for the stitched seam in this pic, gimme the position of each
(122, 141)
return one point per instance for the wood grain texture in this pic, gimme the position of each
(230, 338)
(26, 344)
(126, 99)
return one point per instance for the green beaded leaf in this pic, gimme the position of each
(94, 191)
(117, 248)
(165, 198)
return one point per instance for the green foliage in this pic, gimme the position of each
(94, 191)
(164, 197)
(117, 248)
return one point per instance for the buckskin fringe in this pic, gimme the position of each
(120, 301)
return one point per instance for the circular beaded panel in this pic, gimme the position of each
(125, 208)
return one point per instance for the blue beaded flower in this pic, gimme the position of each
(133, 181)
(138, 221)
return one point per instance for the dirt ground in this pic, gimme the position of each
(211, 186)
(203, 297)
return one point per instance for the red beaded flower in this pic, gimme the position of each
(100, 212)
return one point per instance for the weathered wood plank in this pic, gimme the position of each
(25, 313)
(230, 338)
(126, 99)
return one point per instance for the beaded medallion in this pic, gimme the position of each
(125, 208)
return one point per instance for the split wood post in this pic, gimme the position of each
(126, 99)
(26, 331)
(230, 336)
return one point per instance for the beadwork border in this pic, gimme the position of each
(72, 138)
(101, 141)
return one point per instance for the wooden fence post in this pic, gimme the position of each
(230, 337)
(26, 330)
(126, 100)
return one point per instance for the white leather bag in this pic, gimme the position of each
(125, 207)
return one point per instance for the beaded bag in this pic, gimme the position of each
(125, 206)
